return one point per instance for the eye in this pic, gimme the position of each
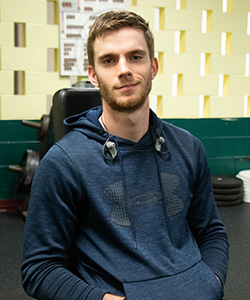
(108, 61)
(137, 57)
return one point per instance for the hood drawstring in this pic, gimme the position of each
(108, 145)
(127, 205)
(110, 152)
(159, 144)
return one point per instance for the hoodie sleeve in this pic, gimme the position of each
(204, 219)
(55, 202)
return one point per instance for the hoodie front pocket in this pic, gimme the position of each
(196, 283)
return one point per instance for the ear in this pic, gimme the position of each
(92, 76)
(154, 67)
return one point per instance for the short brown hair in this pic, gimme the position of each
(115, 20)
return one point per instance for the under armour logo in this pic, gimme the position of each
(119, 213)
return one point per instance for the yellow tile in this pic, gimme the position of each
(25, 59)
(155, 103)
(162, 18)
(248, 107)
(180, 107)
(228, 64)
(240, 44)
(49, 34)
(182, 41)
(204, 4)
(160, 62)
(159, 106)
(6, 34)
(230, 22)
(200, 85)
(31, 11)
(239, 85)
(209, 17)
(164, 40)
(180, 84)
(228, 43)
(162, 85)
(203, 42)
(146, 12)
(227, 107)
(182, 63)
(22, 107)
(183, 19)
(229, 5)
(208, 63)
(6, 83)
(44, 83)
(241, 5)
(206, 107)
(226, 85)
(157, 3)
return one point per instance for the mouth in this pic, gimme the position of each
(126, 87)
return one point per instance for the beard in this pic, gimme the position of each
(128, 101)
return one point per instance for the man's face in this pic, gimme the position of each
(123, 70)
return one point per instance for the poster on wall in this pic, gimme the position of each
(76, 16)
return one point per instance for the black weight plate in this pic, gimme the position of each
(44, 126)
(229, 203)
(227, 191)
(226, 182)
(29, 162)
(228, 197)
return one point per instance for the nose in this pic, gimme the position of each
(123, 69)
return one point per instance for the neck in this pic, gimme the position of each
(130, 126)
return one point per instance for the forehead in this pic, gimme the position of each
(120, 41)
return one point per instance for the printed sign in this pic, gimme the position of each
(76, 16)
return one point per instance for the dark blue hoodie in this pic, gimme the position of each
(136, 219)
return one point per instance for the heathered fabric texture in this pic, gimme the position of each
(142, 224)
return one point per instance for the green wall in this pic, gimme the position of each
(15, 139)
(227, 143)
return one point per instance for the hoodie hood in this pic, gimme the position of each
(88, 123)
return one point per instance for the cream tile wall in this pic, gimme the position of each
(183, 90)
(199, 75)
(30, 97)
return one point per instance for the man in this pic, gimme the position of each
(122, 206)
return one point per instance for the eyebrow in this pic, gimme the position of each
(105, 56)
(138, 51)
(111, 55)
